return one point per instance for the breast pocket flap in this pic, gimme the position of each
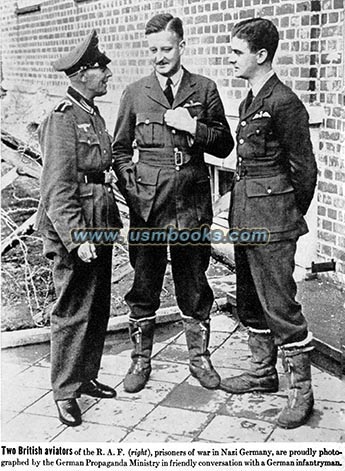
(150, 118)
(89, 139)
(147, 175)
(268, 186)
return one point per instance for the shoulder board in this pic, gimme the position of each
(63, 105)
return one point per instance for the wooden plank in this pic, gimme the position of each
(9, 178)
(25, 165)
(17, 144)
(121, 272)
(12, 239)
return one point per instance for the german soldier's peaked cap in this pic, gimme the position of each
(83, 56)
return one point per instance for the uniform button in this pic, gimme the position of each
(177, 168)
(104, 152)
(109, 190)
(88, 141)
(238, 178)
(240, 159)
(139, 179)
(147, 121)
(241, 141)
(175, 149)
(243, 123)
(258, 131)
(173, 131)
(269, 190)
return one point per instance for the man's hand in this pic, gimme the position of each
(181, 119)
(87, 252)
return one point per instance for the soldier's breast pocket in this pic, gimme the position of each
(89, 150)
(256, 136)
(150, 129)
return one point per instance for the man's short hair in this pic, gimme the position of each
(165, 22)
(259, 34)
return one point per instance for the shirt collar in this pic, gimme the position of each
(82, 101)
(257, 85)
(176, 79)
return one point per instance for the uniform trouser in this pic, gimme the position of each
(189, 264)
(79, 320)
(266, 290)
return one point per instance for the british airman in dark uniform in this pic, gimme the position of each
(76, 194)
(173, 116)
(275, 182)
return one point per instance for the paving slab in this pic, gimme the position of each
(173, 407)
(168, 371)
(174, 353)
(175, 421)
(226, 429)
(194, 397)
(226, 356)
(306, 434)
(34, 376)
(15, 398)
(31, 428)
(88, 432)
(329, 387)
(10, 369)
(142, 436)
(153, 393)
(328, 415)
(254, 406)
(118, 412)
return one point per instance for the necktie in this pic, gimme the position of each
(249, 100)
(168, 91)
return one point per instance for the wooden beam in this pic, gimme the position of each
(13, 238)
(25, 165)
(9, 178)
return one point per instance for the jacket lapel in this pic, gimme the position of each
(257, 103)
(185, 90)
(155, 92)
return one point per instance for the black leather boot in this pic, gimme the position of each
(96, 389)
(198, 336)
(69, 412)
(141, 333)
(262, 375)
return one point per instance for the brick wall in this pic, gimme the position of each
(310, 60)
(329, 34)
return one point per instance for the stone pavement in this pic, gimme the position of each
(173, 407)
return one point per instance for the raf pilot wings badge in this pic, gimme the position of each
(261, 114)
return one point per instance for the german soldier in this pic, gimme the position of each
(76, 194)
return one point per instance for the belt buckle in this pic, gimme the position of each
(110, 176)
(178, 155)
(107, 177)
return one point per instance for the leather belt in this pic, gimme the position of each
(253, 171)
(168, 158)
(99, 178)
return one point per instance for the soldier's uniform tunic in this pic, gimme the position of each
(275, 182)
(76, 150)
(169, 185)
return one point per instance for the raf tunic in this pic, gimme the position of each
(274, 185)
(169, 185)
(75, 145)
